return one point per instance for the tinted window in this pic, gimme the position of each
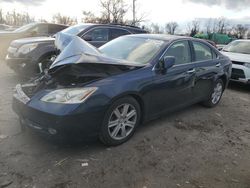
(99, 34)
(117, 33)
(181, 52)
(55, 28)
(41, 29)
(202, 52)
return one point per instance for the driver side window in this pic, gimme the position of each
(181, 51)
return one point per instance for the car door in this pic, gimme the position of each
(97, 36)
(206, 68)
(173, 89)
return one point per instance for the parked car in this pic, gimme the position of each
(108, 92)
(32, 55)
(4, 27)
(30, 30)
(239, 53)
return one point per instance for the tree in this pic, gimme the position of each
(171, 27)
(193, 27)
(66, 20)
(240, 31)
(17, 19)
(137, 18)
(113, 11)
(221, 25)
(2, 21)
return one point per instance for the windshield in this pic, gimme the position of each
(25, 28)
(242, 47)
(135, 49)
(74, 30)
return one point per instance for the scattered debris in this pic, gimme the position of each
(85, 164)
(178, 185)
(219, 115)
(61, 162)
(3, 137)
(235, 181)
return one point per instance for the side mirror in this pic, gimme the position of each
(165, 64)
(168, 62)
(87, 38)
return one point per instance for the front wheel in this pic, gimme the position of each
(120, 121)
(216, 94)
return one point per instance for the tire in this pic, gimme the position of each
(114, 130)
(216, 94)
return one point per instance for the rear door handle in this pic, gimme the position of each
(218, 65)
(191, 71)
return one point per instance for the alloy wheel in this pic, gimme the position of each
(122, 121)
(216, 96)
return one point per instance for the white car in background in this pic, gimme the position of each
(239, 53)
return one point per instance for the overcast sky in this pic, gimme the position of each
(159, 11)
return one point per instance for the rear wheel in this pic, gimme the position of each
(216, 94)
(120, 121)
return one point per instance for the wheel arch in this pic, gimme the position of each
(137, 96)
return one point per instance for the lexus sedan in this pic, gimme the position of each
(108, 92)
(239, 53)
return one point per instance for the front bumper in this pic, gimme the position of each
(62, 120)
(21, 65)
(240, 73)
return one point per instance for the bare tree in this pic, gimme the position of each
(2, 21)
(137, 18)
(221, 25)
(208, 26)
(113, 11)
(171, 27)
(193, 27)
(17, 19)
(154, 28)
(240, 31)
(66, 20)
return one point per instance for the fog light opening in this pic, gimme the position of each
(52, 131)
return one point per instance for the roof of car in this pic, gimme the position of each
(164, 37)
(130, 27)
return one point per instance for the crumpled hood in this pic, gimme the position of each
(75, 50)
(245, 58)
(20, 42)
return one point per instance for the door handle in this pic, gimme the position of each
(191, 71)
(218, 65)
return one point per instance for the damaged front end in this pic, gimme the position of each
(78, 64)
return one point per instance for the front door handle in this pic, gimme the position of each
(191, 71)
(218, 65)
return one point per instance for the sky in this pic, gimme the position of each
(157, 11)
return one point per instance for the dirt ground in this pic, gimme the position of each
(193, 148)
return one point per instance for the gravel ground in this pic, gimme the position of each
(193, 148)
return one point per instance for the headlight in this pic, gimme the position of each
(27, 48)
(69, 96)
(247, 65)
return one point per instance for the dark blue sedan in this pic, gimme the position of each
(108, 92)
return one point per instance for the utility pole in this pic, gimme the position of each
(133, 12)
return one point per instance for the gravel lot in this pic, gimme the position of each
(193, 148)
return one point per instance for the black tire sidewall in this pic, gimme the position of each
(104, 133)
(209, 102)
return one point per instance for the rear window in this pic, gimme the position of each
(202, 51)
